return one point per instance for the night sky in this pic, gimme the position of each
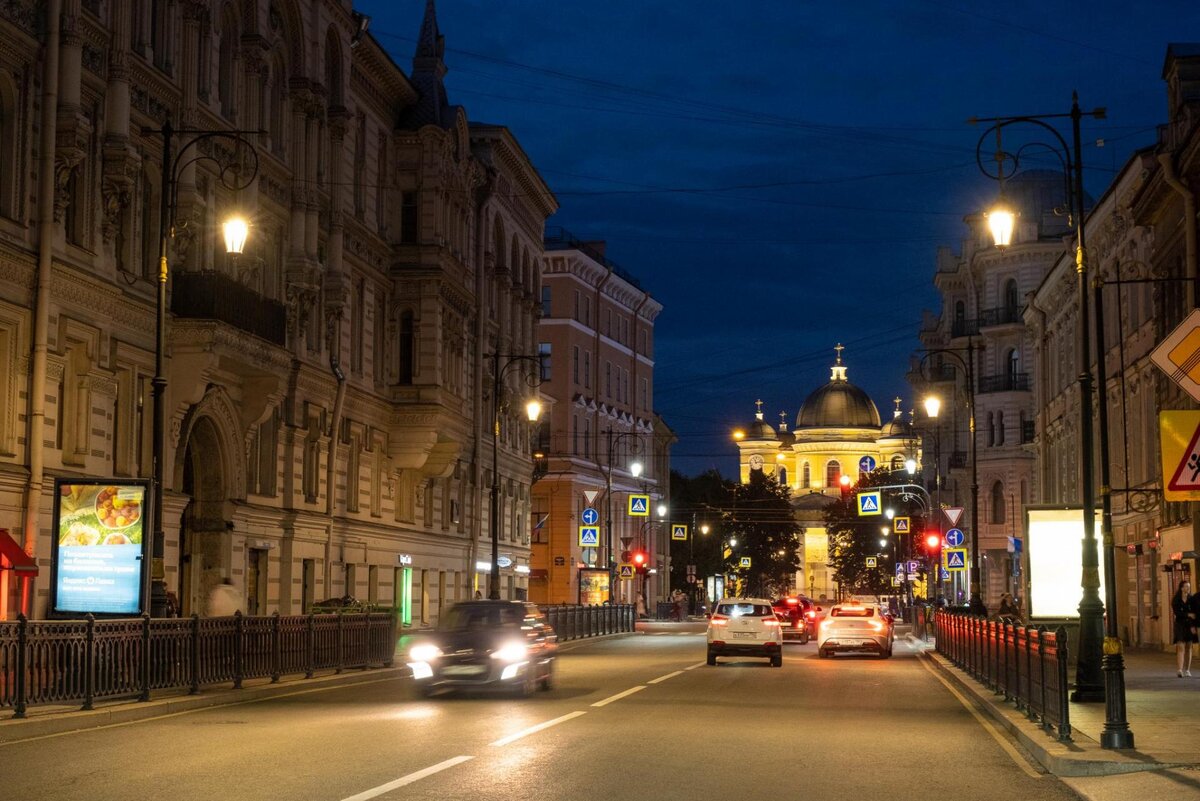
(779, 174)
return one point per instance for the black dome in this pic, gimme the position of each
(897, 427)
(760, 430)
(838, 404)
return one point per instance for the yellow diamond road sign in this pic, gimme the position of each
(1179, 437)
(902, 525)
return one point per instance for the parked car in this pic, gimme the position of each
(486, 645)
(745, 627)
(797, 617)
(855, 626)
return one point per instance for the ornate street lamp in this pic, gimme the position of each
(236, 172)
(533, 410)
(1100, 672)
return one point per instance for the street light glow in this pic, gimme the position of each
(739, 433)
(636, 469)
(933, 405)
(891, 513)
(911, 466)
(533, 410)
(704, 528)
(662, 510)
(1001, 221)
(236, 229)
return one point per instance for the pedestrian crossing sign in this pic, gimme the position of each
(956, 558)
(679, 531)
(639, 505)
(625, 570)
(902, 525)
(873, 562)
(869, 503)
(744, 561)
(589, 536)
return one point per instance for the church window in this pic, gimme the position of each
(806, 476)
(998, 502)
(833, 472)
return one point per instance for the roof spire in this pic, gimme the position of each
(428, 71)
(430, 43)
(758, 413)
(839, 369)
(896, 414)
(783, 421)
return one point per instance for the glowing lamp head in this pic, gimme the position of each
(635, 469)
(704, 528)
(533, 410)
(911, 466)
(739, 434)
(639, 558)
(235, 229)
(933, 405)
(662, 510)
(1001, 221)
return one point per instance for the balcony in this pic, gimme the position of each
(213, 296)
(940, 373)
(1006, 382)
(964, 328)
(1028, 431)
(1005, 315)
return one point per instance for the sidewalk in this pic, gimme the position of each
(1163, 714)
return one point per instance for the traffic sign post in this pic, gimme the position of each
(679, 531)
(955, 558)
(589, 536)
(590, 516)
(955, 537)
(639, 505)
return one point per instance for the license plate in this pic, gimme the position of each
(463, 670)
(743, 634)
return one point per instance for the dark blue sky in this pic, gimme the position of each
(779, 173)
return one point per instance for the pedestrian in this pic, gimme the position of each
(641, 605)
(478, 595)
(224, 600)
(676, 605)
(1183, 606)
(1008, 612)
(173, 608)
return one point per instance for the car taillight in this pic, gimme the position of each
(770, 621)
(810, 614)
(719, 620)
(875, 624)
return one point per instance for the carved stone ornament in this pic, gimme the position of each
(115, 196)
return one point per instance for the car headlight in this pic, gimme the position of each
(424, 653)
(511, 652)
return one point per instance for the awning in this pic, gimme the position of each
(13, 556)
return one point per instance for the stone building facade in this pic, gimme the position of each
(328, 397)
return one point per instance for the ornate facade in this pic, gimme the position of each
(328, 394)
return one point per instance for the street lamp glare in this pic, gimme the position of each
(636, 469)
(704, 528)
(891, 513)
(911, 466)
(733, 543)
(1001, 221)
(844, 480)
(739, 434)
(236, 230)
(533, 410)
(885, 530)
(662, 510)
(883, 543)
(933, 405)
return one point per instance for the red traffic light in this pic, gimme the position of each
(933, 541)
(639, 558)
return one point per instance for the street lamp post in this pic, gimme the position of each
(1100, 672)
(613, 439)
(533, 410)
(235, 174)
(977, 607)
(932, 406)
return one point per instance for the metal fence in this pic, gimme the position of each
(78, 661)
(1026, 665)
(575, 622)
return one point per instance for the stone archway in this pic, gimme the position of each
(207, 472)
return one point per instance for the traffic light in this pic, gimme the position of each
(933, 544)
(844, 481)
(641, 561)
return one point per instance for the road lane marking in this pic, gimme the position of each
(534, 729)
(698, 664)
(619, 696)
(664, 678)
(409, 779)
(1012, 752)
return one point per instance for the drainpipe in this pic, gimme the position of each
(41, 307)
(334, 423)
(1189, 222)
(481, 239)
(1042, 379)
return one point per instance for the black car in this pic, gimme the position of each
(486, 645)
(797, 615)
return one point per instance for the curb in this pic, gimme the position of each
(1083, 756)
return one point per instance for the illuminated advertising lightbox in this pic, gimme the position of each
(99, 546)
(1055, 547)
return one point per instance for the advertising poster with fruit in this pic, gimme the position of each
(98, 554)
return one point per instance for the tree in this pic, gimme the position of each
(694, 501)
(854, 538)
(760, 518)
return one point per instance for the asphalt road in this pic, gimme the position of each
(634, 718)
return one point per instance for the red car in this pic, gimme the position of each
(797, 617)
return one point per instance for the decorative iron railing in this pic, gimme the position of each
(576, 622)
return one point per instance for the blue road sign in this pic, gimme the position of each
(866, 464)
(899, 568)
(945, 574)
(956, 559)
(590, 516)
(639, 505)
(954, 537)
(589, 536)
(869, 503)
(912, 566)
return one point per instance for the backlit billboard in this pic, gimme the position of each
(1055, 547)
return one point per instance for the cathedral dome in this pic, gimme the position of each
(759, 429)
(897, 426)
(838, 404)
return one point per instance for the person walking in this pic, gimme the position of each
(1183, 606)
(224, 600)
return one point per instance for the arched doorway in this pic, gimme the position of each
(203, 525)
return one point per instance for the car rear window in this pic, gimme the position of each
(473, 617)
(852, 611)
(745, 610)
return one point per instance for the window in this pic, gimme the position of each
(833, 472)
(381, 176)
(991, 426)
(998, 502)
(960, 312)
(575, 364)
(409, 206)
(783, 476)
(360, 159)
(897, 462)
(1000, 427)
(1012, 362)
(575, 434)
(1011, 301)
(358, 304)
(587, 438)
(608, 379)
(587, 369)
(578, 305)
(544, 360)
(353, 474)
(546, 306)
(806, 476)
(406, 346)
(587, 311)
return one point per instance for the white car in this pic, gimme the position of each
(855, 626)
(745, 627)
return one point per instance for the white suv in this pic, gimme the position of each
(855, 626)
(745, 627)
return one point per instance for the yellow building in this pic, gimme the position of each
(837, 433)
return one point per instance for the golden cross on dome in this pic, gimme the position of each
(897, 401)
(839, 348)
(758, 410)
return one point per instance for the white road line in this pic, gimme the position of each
(1012, 752)
(664, 678)
(533, 729)
(409, 779)
(698, 664)
(619, 696)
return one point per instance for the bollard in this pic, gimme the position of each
(89, 663)
(145, 696)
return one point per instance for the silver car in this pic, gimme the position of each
(855, 627)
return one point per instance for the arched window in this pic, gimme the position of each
(407, 348)
(897, 462)
(1011, 302)
(960, 312)
(998, 502)
(991, 426)
(806, 476)
(1012, 363)
(783, 476)
(833, 472)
